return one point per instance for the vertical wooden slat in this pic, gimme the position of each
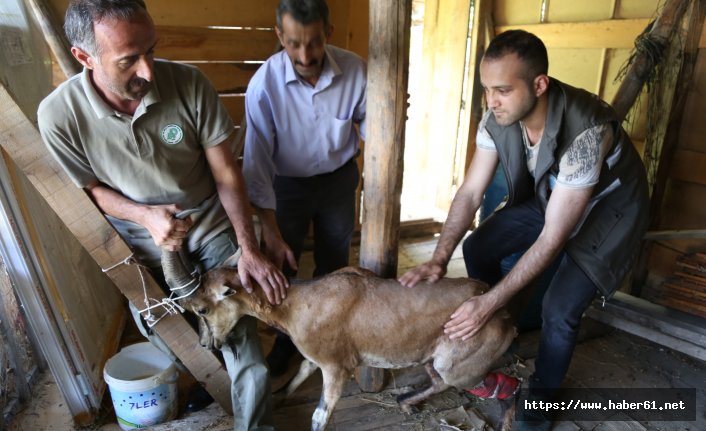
(388, 63)
(604, 53)
(635, 78)
(482, 33)
(54, 35)
(669, 127)
(445, 36)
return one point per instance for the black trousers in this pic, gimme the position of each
(327, 201)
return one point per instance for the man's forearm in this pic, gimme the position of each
(114, 204)
(237, 208)
(530, 266)
(461, 214)
(270, 229)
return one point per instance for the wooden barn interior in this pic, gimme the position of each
(64, 287)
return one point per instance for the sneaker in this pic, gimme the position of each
(496, 385)
(281, 353)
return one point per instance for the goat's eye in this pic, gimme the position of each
(229, 292)
(201, 311)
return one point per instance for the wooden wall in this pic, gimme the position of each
(684, 204)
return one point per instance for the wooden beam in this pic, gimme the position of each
(614, 33)
(668, 96)
(214, 44)
(228, 77)
(604, 53)
(388, 64)
(660, 235)
(482, 33)
(446, 27)
(230, 13)
(661, 154)
(54, 36)
(22, 142)
(643, 64)
(679, 331)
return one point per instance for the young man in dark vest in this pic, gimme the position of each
(577, 194)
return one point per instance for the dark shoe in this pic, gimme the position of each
(281, 353)
(530, 416)
(198, 399)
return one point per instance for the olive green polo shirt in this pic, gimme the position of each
(154, 157)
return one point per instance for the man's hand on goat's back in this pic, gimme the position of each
(254, 265)
(470, 317)
(428, 271)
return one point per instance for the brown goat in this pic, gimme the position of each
(351, 318)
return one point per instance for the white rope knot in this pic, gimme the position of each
(127, 261)
(168, 304)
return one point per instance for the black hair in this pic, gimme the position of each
(528, 48)
(304, 12)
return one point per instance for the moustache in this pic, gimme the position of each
(140, 83)
(311, 63)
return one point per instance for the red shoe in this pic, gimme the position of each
(496, 385)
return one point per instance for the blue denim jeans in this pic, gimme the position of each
(327, 201)
(569, 293)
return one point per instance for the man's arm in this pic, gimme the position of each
(167, 231)
(231, 190)
(276, 249)
(564, 210)
(463, 209)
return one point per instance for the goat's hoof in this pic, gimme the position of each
(409, 409)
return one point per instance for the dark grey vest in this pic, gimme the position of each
(605, 244)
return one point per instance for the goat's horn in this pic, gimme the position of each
(178, 272)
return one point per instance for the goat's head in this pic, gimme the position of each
(217, 304)
(215, 321)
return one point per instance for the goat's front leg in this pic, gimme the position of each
(334, 379)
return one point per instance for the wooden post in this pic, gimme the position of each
(482, 33)
(634, 80)
(54, 36)
(672, 91)
(388, 63)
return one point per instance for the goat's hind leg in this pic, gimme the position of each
(334, 379)
(306, 369)
(406, 401)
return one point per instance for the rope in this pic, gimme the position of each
(650, 46)
(169, 304)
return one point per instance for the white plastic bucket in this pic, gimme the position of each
(142, 382)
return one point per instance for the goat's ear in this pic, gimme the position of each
(232, 261)
(223, 291)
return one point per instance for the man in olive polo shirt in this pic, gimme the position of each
(150, 143)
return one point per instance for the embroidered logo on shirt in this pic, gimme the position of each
(172, 134)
